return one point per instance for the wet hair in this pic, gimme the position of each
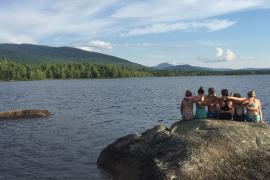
(211, 91)
(188, 93)
(201, 90)
(251, 94)
(237, 95)
(224, 92)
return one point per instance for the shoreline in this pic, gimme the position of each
(232, 75)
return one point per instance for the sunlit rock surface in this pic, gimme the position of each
(209, 149)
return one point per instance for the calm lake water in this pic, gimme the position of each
(89, 114)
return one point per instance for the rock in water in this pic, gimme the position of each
(26, 113)
(210, 149)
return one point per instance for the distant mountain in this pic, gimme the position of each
(35, 54)
(255, 69)
(163, 66)
(186, 67)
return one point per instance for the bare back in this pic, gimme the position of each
(187, 105)
(212, 103)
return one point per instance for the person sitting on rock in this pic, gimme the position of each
(239, 110)
(212, 102)
(254, 108)
(200, 106)
(187, 107)
(226, 109)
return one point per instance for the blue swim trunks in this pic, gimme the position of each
(212, 115)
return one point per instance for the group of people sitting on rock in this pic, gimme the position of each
(225, 107)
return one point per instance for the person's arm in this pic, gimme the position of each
(236, 98)
(232, 107)
(244, 103)
(182, 107)
(190, 98)
(252, 108)
(218, 107)
(260, 111)
(194, 99)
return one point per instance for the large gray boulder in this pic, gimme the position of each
(209, 149)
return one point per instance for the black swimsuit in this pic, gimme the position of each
(238, 117)
(225, 115)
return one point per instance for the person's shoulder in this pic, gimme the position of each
(258, 101)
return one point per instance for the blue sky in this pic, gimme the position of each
(224, 33)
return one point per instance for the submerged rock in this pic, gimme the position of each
(24, 113)
(210, 149)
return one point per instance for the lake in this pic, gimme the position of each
(90, 114)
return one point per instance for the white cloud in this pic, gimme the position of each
(172, 10)
(159, 16)
(221, 56)
(152, 45)
(230, 55)
(213, 24)
(86, 48)
(100, 44)
(67, 22)
(96, 45)
(210, 25)
(47, 21)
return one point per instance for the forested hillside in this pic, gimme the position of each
(36, 54)
(15, 71)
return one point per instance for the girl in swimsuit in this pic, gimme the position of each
(253, 106)
(187, 107)
(200, 107)
(225, 106)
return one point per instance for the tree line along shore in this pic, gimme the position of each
(15, 71)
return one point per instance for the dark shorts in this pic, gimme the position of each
(212, 115)
(225, 116)
(237, 117)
